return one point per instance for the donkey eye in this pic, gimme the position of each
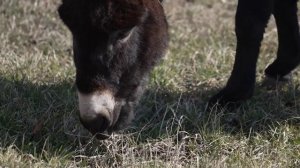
(123, 34)
(120, 36)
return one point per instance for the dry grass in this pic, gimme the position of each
(39, 126)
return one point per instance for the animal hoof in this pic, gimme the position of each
(229, 99)
(272, 83)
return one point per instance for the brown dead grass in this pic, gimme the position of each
(39, 126)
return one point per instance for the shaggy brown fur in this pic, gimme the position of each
(116, 45)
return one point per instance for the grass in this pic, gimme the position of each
(39, 125)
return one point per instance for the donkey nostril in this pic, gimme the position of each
(96, 111)
(97, 125)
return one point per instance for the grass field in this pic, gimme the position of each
(39, 125)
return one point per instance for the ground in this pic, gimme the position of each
(39, 125)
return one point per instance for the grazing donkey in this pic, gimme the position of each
(116, 44)
(251, 19)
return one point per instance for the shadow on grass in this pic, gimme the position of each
(163, 114)
(33, 117)
(37, 118)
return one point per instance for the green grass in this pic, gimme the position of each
(39, 125)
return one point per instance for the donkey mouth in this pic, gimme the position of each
(100, 113)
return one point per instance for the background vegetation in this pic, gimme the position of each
(39, 125)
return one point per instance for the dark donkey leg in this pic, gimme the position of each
(251, 19)
(288, 55)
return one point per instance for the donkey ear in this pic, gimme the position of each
(63, 13)
(71, 13)
(66, 13)
(124, 14)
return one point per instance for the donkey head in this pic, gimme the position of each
(105, 38)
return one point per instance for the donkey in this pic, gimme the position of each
(251, 19)
(116, 44)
